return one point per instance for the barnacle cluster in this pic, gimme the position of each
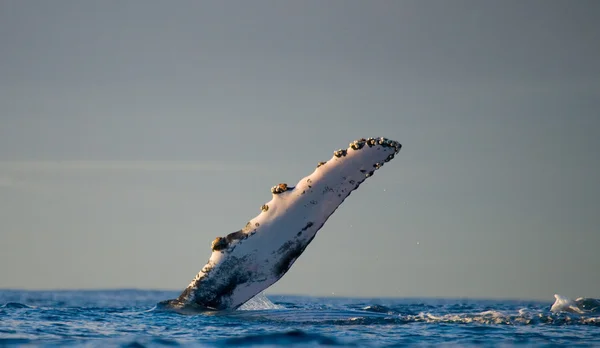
(219, 243)
(339, 153)
(358, 144)
(384, 142)
(279, 188)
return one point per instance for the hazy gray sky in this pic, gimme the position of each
(132, 133)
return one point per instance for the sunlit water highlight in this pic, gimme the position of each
(129, 318)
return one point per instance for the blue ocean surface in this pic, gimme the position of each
(129, 318)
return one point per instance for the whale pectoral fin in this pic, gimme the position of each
(246, 262)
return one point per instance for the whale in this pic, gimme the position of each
(246, 262)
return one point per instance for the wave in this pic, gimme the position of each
(581, 305)
(564, 311)
(15, 305)
(357, 318)
(561, 313)
(523, 317)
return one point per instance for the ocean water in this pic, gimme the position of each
(129, 318)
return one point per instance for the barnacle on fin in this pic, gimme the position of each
(339, 153)
(357, 144)
(219, 243)
(264, 207)
(320, 164)
(384, 142)
(279, 188)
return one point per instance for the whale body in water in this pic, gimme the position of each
(246, 262)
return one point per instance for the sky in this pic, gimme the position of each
(134, 133)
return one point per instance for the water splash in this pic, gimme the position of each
(579, 306)
(259, 302)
